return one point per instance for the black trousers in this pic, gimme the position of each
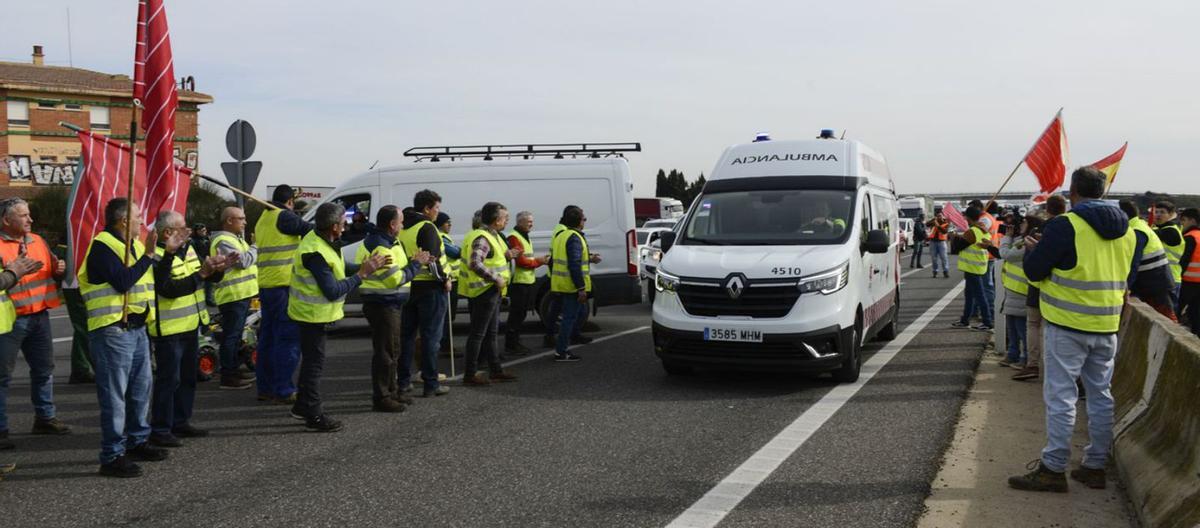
(520, 298)
(917, 249)
(384, 320)
(1189, 303)
(485, 323)
(312, 364)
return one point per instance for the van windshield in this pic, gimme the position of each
(771, 217)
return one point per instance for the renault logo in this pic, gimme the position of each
(734, 286)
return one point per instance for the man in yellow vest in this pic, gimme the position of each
(1166, 226)
(232, 294)
(33, 298)
(522, 290)
(1084, 261)
(973, 262)
(570, 279)
(317, 293)
(425, 311)
(383, 296)
(1016, 288)
(484, 281)
(119, 298)
(14, 270)
(1155, 284)
(277, 235)
(179, 310)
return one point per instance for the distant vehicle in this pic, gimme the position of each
(646, 209)
(542, 182)
(914, 206)
(786, 261)
(906, 233)
(668, 223)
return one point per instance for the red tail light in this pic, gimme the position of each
(631, 250)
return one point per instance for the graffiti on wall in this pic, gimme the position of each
(21, 171)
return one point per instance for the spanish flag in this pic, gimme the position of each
(1110, 164)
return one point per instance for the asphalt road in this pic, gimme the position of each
(609, 441)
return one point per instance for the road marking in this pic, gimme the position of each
(527, 359)
(62, 339)
(722, 499)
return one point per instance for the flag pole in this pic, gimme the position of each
(129, 235)
(1019, 163)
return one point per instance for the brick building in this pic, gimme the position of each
(36, 151)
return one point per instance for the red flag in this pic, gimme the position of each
(105, 169)
(954, 216)
(1048, 157)
(154, 86)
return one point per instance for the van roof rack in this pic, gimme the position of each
(525, 151)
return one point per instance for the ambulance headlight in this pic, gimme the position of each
(826, 282)
(665, 282)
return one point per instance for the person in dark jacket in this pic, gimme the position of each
(426, 308)
(1154, 285)
(1166, 218)
(278, 338)
(1034, 325)
(1189, 295)
(383, 307)
(574, 303)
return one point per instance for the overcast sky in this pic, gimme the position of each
(952, 93)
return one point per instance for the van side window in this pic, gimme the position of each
(358, 216)
(883, 217)
(866, 214)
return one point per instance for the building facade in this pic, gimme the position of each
(34, 97)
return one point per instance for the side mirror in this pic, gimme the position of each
(668, 240)
(877, 241)
(653, 236)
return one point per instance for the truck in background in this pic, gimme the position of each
(645, 209)
(914, 206)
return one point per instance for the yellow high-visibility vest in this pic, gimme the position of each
(1175, 253)
(1014, 279)
(471, 284)
(1089, 297)
(237, 284)
(385, 281)
(560, 274)
(275, 251)
(408, 239)
(974, 258)
(181, 314)
(524, 275)
(1155, 253)
(306, 301)
(102, 301)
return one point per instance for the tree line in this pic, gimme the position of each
(675, 185)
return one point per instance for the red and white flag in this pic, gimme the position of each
(1048, 158)
(954, 216)
(154, 86)
(104, 177)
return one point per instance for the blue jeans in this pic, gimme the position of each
(1018, 346)
(917, 248)
(989, 291)
(974, 299)
(1069, 355)
(121, 358)
(31, 336)
(573, 313)
(174, 381)
(424, 312)
(233, 322)
(938, 254)
(278, 345)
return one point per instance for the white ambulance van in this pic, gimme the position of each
(788, 260)
(540, 178)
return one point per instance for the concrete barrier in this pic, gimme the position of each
(1156, 385)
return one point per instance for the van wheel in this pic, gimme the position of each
(676, 369)
(889, 332)
(852, 362)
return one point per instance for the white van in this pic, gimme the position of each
(542, 181)
(786, 261)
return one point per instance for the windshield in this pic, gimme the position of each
(642, 236)
(660, 223)
(771, 217)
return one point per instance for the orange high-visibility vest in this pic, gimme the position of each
(1191, 270)
(37, 291)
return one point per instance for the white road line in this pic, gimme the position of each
(722, 499)
(62, 339)
(910, 272)
(549, 352)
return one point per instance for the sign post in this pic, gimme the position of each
(240, 141)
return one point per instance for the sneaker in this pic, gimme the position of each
(581, 340)
(387, 405)
(566, 358)
(50, 426)
(5, 443)
(247, 375)
(946, 275)
(1027, 373)
(503, 377)
(145, 452)
(1092, 478)
(235, 382)
(442, 390)
(323, 424)
(1040, 479)
(960, 324)
(549, 341)
(164, 440)
(296, 414)
(122, 467)
(935, 274)
(982, 328)
(476, 380)
(189, 431)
